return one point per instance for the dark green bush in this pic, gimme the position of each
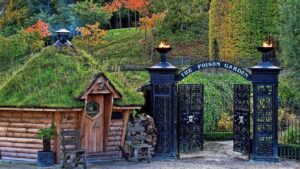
(218, 136)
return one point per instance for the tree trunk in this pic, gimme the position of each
(152, 45)
(116, 22)
(120, 19)
(46, 144)
(129, 25)
(135, 20)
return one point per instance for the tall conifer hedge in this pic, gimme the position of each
(237, 27)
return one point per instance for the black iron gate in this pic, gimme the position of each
(190, 117)
(241, 125)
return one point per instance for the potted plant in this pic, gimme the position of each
(46, 157)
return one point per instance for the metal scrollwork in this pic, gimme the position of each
(162, 105)
(190, 114)
(264, 120)
(241, 123)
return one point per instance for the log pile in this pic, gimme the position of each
(149, 132)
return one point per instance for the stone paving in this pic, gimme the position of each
(216, 155)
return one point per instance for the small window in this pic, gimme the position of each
(92, 108)
(117, 115)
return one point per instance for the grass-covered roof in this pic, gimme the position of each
(56, 78)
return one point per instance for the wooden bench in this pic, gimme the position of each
(70, 141)
(137, 144)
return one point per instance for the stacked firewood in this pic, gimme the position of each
(149, 131)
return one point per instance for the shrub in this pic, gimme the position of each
(218, 136)
(225, 123)
(33, 41)
(291, 135)
(46, 133)
(12, 48)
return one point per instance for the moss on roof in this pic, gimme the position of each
(56, 78)
(128, 81)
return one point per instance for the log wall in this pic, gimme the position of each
(18, 134)
(18, 131)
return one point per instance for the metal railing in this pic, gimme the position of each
(289, 136)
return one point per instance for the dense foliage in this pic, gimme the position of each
(237, 27)
(290, 41)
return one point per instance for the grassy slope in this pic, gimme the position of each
(55, 78)
(127, 46)
(50, 79)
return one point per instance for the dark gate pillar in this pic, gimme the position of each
(265, 119)
(162, 80)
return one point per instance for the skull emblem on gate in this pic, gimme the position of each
(241, 118)
(190, 119)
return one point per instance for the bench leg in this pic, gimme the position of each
(78, 158)
(149, 155)
(65, 159)
(136, 154)
(84, 161)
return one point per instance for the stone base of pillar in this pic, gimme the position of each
(165, 156)
(267, 159)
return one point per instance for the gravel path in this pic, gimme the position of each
(216, 155)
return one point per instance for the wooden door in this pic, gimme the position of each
(94, 125)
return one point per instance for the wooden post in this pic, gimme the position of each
(82, 121)
(57, 121)
(126, 117)
(108, 108)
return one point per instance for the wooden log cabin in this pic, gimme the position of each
(65, 91)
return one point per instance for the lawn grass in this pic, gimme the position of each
(126, 46)
(129, 46)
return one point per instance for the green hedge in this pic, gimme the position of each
(218, 136)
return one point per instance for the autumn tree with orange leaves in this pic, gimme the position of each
(91, 36)
(140, 6)
(40, 27)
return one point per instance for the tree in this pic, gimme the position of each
(290, 35)
(91, 36)
(240, 26)
(113, 7)
(140, 6)
(289, 44)
(150, 23)
(89, 13)
(40, 27)
(12, 18)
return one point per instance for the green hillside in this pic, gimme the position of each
(56, 78)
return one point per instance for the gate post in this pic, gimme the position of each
(265, 108)
(162, 81)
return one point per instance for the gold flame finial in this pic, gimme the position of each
(267, 45)
(163, 45)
